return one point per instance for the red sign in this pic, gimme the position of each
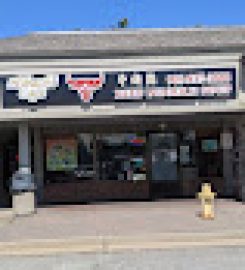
(86, 87)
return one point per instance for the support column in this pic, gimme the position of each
(38, 163)
(240, 162)
(95, 157)
(24, 146)
(2, 191)
(24, 200)
(228, 160)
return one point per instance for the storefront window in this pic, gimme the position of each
(210, 158)
(60, 159)
(86, 166)
(104, 157)
(122, 156)
(69, 159)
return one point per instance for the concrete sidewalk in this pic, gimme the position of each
(114, 226)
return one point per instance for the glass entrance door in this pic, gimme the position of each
(164, 157)
(164, 164)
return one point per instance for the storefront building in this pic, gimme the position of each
(123, 114)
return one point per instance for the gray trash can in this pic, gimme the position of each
(23, 193)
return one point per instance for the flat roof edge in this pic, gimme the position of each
(140, 30)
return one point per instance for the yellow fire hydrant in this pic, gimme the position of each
(207, 198)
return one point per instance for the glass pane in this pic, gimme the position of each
(164, 156)
(85, 157)
(122, 157)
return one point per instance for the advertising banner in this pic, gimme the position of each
(61, 154)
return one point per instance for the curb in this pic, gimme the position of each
(110, 244)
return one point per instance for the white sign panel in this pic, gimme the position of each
(226, 140)
(32, 88)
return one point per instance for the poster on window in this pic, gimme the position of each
(209, 145)
(226, 141)
(61, 154)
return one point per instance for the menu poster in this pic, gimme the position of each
(61, 154)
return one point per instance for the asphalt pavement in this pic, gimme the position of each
(225, 258)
